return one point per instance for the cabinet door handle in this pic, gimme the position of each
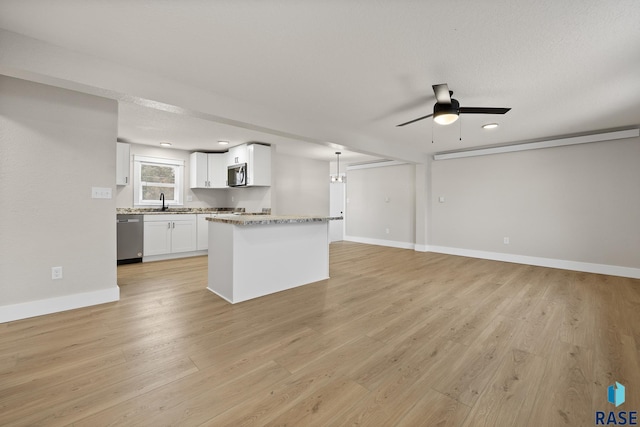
(174, 224)
(126, 179)
(168, 225)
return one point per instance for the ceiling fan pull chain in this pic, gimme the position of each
(460, 122)
(432, 134)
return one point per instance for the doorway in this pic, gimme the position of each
(336, 208)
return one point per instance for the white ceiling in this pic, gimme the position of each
(150, 126)
(361, 67)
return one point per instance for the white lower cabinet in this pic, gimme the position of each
(169, 234)
(203, 232)
(157, 237)
(183, 236)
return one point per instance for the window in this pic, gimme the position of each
(154, 176)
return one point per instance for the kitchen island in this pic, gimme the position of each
(255, 255)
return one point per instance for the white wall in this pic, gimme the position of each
(300, 185)
(55, 144)
(578, 203)
(252, 199)
(380, 199)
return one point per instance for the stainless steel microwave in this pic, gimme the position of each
(237, 175)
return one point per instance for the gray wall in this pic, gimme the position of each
(577, 203)
(55, 145)
(378, 199)
(301, 186)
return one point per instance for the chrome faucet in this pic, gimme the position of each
(164, 208)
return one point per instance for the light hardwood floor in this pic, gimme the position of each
(394, 338)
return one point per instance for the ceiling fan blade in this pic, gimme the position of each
(443, 96)
(483, 110)
(414, 120)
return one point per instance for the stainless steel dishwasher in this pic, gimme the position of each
(130, 238)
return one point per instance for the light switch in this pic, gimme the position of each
(441, 199)
(100, 192)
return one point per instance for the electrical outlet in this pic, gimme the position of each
(506, 240)
(56, 273)
(386, 230)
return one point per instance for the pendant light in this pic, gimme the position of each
(337, 178)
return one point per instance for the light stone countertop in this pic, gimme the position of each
(270, 219)
(172, 210)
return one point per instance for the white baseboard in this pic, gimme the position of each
(173, 256)
(221, 296)
(380, 242)
(9, 313)
(612, 270)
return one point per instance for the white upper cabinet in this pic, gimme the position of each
(259, 165)
(217, 166)
(198, 170)
(237, 155)
(207, 170)
(123, 163)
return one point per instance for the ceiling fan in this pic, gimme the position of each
(446, 109)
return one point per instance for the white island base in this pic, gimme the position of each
(254, 259)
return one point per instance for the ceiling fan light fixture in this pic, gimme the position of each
(446, 109)
(445, 114)
(445, 118)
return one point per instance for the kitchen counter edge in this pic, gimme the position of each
(154, 211)
(271, 219)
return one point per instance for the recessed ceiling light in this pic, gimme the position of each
(490, 126)
(165, 144)
(223, 142)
